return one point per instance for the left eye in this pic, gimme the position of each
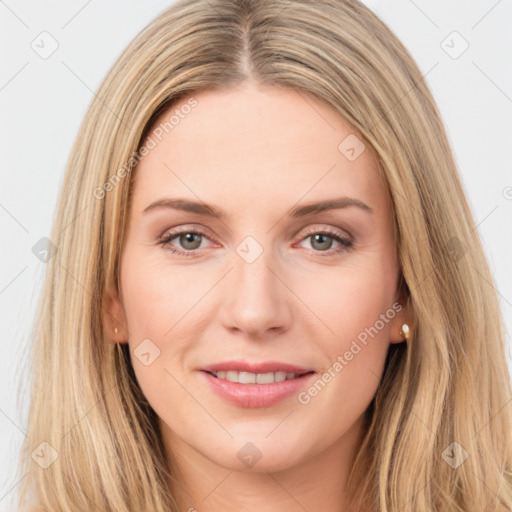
(323, 241)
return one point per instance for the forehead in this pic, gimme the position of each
(277, 145)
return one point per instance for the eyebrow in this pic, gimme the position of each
(201, 208)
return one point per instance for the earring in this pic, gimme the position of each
(115, 330)
(405, 332)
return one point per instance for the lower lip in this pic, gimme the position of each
(256, 395)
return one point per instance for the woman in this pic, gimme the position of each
(272, 295)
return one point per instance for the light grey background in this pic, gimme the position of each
(42, 102)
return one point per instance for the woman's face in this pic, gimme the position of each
(268, 279)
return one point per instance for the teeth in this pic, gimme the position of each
(255, 378)
(247, 378)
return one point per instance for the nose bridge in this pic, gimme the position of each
(256, 300)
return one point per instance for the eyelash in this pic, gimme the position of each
(345, 244)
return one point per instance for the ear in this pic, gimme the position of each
(404, 314)
(114, 316)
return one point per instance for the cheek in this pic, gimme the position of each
(348, 300)
(156, 303)
(355, 308)
(156, 296)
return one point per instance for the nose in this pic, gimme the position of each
(257, 302)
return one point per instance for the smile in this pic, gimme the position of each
(246, 389)
(255, 378)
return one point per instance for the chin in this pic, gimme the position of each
(258, 455)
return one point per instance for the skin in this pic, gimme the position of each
(256, 152)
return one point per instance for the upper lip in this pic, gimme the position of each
(264, 367)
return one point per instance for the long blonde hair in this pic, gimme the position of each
(449, 384)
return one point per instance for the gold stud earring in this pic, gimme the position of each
(115, 330)
(405, 332)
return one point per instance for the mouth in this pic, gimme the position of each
(256, 378)
(256, 385)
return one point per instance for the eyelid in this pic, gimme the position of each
(184, 228)
(328, 230)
